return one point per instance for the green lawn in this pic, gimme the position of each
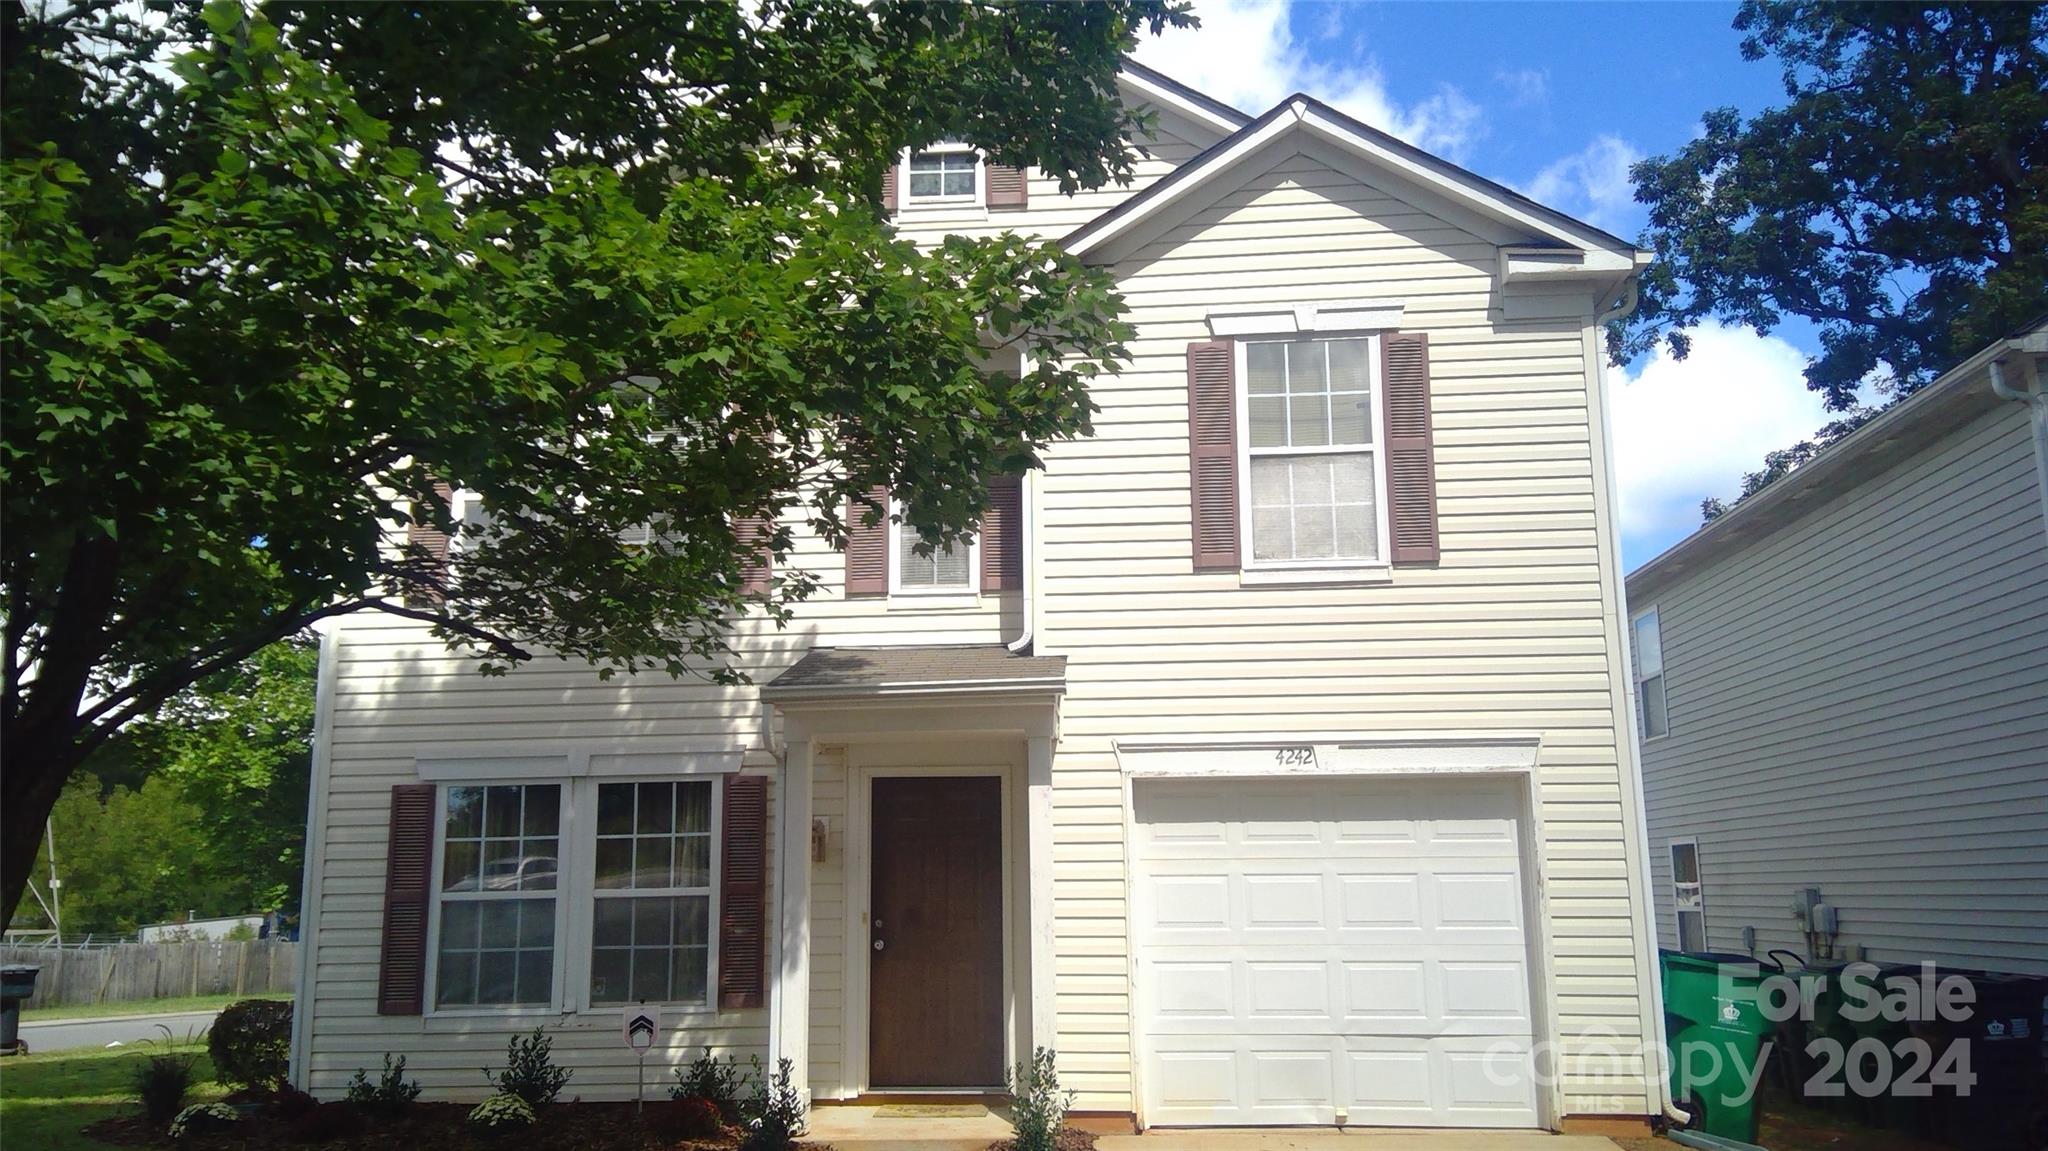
(45, 1099)
(140, 1007)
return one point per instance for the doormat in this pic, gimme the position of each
(932, 1111)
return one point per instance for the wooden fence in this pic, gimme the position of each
(129, 971)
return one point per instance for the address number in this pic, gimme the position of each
(1294, 757)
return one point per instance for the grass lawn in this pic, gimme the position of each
(45, 1099)
(139, 1007)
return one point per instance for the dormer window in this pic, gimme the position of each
(945, 174)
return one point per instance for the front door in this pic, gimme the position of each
(935, 964)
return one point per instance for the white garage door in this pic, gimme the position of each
(1307, 947)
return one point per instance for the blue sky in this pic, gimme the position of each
(1557, 100)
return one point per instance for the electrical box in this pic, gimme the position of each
(1825, 921)
(1803, 902)
(1749, 939)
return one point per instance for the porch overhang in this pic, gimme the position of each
(860, 674)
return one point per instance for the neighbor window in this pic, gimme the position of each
(944, 174)
(650, 938)
(915, 569)
(1687, 899)
(1656, 721)
(500, 853)
(1310, 459)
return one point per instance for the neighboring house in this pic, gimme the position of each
(1280, 776)
(1844, 687)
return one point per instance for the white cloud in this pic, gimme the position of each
(1688, 429)
(1525, 85)
(1593, 185)
(1246, 54)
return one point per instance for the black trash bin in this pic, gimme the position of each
(17, 983)
(2002, 1111)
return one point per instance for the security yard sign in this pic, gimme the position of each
(642, 1029)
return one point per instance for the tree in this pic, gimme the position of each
(272, 276)
(1899, 199)
(130, 856)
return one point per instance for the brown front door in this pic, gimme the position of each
(935, 970)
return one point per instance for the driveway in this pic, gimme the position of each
(65, 1034)
(1351, 1139)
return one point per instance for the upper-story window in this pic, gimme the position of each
(949, 568)
(1308, 454)
(1649, 652)
(944, 174)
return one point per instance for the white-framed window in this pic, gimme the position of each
(1309, 475)
(499, 911)
(1688, 902)
(651, 938)
(1649, 652)
(943, 174)
(949, 570)
(624, 871)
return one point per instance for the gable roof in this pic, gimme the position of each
(1169, 92)
(1301, 113)
(1962, 393)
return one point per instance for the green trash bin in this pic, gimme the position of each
(1714, 1029)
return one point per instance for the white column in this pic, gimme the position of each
(791, 1016)
(1038, 843)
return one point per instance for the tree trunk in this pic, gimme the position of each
(38, 764)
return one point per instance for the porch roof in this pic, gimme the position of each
(867, 671)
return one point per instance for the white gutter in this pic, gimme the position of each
(1634, 801)
(1027, 513)
(2036, 399)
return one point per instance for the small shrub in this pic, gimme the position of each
(775, 1115)
(327, 1122)
(251, 1043)
(708, 1078)
(502, 1114)
(203, 1119)
(289, 1103)
(688, 1117)
(530, 1072)
(390, 1097)
(1037, 1105)
(164, 1079)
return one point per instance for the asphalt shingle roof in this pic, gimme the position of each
(857, 669)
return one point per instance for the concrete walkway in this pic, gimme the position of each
(1349, 1139)
(68, 1034)
(959, 1128)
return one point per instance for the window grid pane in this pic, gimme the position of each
(1311, 394)
(945, 567)
(650, 931)
(942, 174)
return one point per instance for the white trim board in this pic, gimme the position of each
(1322, 755)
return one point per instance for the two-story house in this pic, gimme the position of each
(1267, 755)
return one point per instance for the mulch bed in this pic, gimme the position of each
(443, 1127)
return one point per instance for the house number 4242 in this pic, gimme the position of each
(1294, 757)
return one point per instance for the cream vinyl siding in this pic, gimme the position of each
(1857, 705)
(1507, 634)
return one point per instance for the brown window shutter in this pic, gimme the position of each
(1411, 454)
(757, 574)
(889, 187)
(1008, 189)
(1002, 535)
(408, 869)
(422, 536)
(743, 894)
(1212, 453)
(867, 548)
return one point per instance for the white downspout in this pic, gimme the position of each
(1661, 1076)
(1028, 512)
(2036, 400)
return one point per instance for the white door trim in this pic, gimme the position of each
(860, 777)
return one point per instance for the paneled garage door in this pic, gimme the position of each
(1313, 946)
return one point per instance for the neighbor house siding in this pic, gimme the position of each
(1857, 704)
(1506, 634)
